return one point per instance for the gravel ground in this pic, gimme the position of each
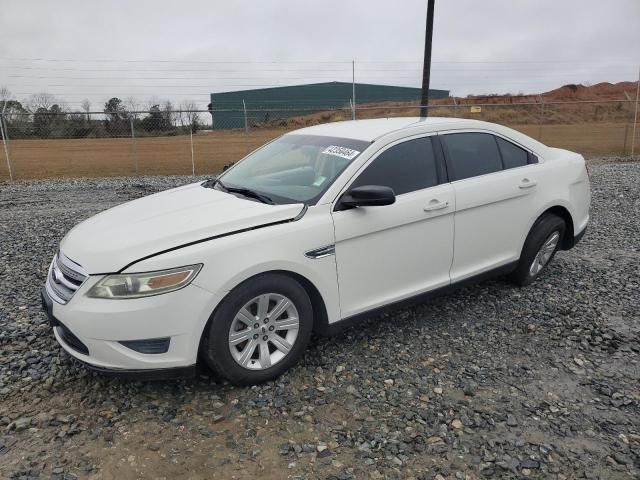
(489, 382)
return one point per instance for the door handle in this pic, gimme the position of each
(526, 183)
(436, 204)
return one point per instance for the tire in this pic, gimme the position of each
(547, 228)
(246, 305)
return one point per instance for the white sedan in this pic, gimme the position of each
(321, 226)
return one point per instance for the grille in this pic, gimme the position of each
(64, 278)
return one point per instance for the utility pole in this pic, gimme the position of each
(635, 118)
(5, 139)
(426, 66)
(246, 124)
(353, 89)
(134, 149)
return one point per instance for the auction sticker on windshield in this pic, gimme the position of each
(343, 152)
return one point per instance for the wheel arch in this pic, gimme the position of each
(320, 314)
(562, 212)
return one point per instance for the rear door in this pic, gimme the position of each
(388, 253)
(496, 191)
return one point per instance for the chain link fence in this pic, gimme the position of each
(195, 142)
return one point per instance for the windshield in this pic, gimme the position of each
(294, 168)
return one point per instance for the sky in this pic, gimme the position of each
(155, 50)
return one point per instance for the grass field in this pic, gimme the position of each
(93, 157)
(212, 150)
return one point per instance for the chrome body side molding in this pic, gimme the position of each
(321, 252)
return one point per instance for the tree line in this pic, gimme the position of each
(45, 116)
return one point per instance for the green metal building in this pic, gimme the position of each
(267, 104)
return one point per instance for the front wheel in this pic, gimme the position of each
(541, 245)
(259, 330)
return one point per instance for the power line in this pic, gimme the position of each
(310, 74)
(342, 70)
(215, 85)
(344, 62)
(94, 60)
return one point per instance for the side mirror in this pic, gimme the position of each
(367, 196)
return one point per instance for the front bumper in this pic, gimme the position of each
(91, 330)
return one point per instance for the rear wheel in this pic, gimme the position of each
(259, 330)
(541, 245)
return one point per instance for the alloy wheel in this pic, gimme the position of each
(263, 331)
(545, 253)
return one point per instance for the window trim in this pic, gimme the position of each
(532, 158)
(441, 167)
(441, 163)
(495, 139)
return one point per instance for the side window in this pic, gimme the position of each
(471, 154)
(512, 155)
(405, 167)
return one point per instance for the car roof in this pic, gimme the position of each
(371, 129)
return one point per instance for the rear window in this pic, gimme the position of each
(512, 155)
(471, 154)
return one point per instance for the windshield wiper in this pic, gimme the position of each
(247, 192)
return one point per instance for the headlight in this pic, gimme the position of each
(136, 285)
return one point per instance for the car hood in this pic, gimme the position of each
(113, 239)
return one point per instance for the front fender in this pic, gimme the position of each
(231, 260)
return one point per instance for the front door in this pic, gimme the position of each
(388, 253)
